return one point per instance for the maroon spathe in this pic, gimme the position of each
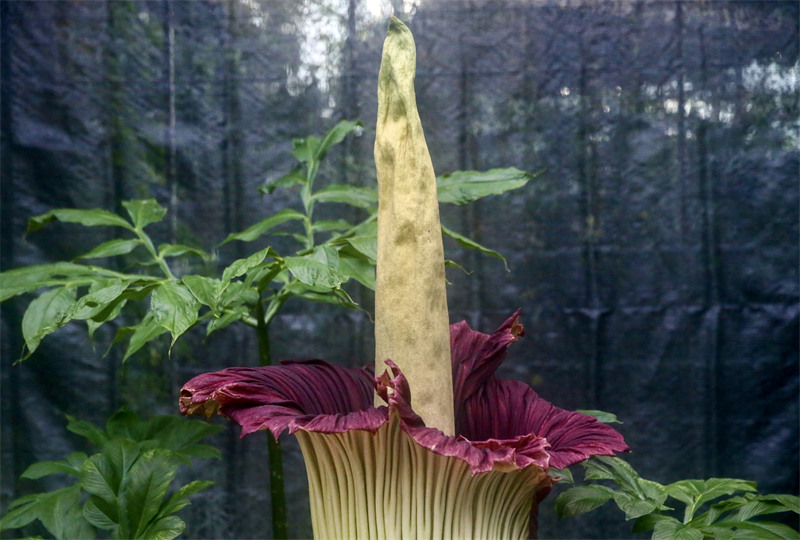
(499, 423)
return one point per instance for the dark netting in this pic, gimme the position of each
(655, 257)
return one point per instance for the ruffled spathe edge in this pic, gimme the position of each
(500, 424)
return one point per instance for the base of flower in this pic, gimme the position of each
(384, 485)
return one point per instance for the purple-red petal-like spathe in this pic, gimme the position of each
(500, 424)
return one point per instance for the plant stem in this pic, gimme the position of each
(276, 487)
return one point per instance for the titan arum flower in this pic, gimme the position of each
(434, 445)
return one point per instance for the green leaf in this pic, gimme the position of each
(112, 248)
(145, 486)
(331, 225)
(104, 474)
(471, 244)
(318, 269)
(178, 250)
(695, 493)
(241, 266)
(140, 334)
(605, 417)
(634, 506)
(103, 515)
(70, 466)
(561, 475)
(356, 267)
(205, 289)
(360, 197)
(367, 245)
(46, 314)
(174, 307)
(60, 513)
(305, 149)
(336, 135)
(20, 512)
(581, 499)
(257, 230)
(95, 435)
(164, 528)
(180, 498)
(98, 299)
(290, 179)
(88, 218)
(616, 469)
(143, 212)
(672, 529)
(752, 529)
(30, 278)
(462, 187)
(228, 317)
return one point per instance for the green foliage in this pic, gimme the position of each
(318, 271)
(124, 488)
(713, 508)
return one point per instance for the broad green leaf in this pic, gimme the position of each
(673, 529)
(104, 474)
(581, 499)
(97, 300)
(561, 475)
(290, 179)
(103, 515)
(462, 187)
(112, 248)
(70, 466)
(238, 293)
(205, 289)
(471, 244)
(752, 529)
(634, 506)
(365, 244)
(331, 225)
(356, 267)
(360, 197)
(180, 498)
(695, 493)
(30, 278)
(613, 468)
(143, 212)
(318, 269)
(164, 528)
(305, 149)
(257, 230)
(790, 502)
(140, 334)
(88, 218)
(605, 417)
(125, 424)
(181, 435)
(757, 508)
(648, 522)
(20, 512)
(174, 307)
(334, 136)
(95, 435)
(241, 266)
(46, 314)
(177, 250)
(145, 486)
(61, 514)
(226, 319)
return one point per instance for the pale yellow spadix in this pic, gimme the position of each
(411, 319)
